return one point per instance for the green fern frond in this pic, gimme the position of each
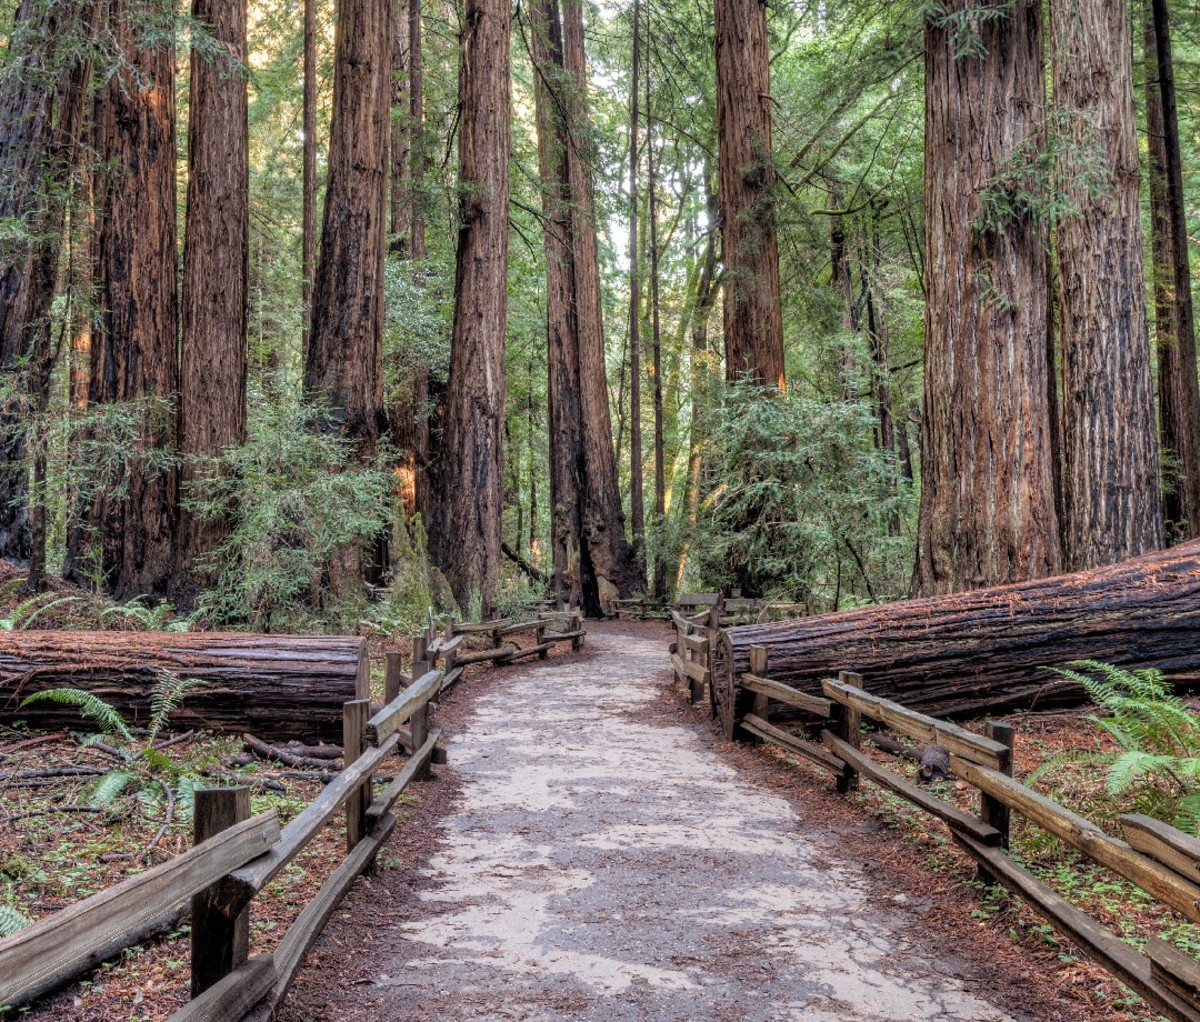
(30, 610)
(1187, 814)
(89, 705)
(168, 693)
(110, 787)
(11, 921)
(1133, 766)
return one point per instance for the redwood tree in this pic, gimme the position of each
(133, 352)
(593, 560)
(987, 486)
(212, 401)
(1110, 447)
(1175, 334)
(41, 112)
(753, 313)
(344, 365)
(465, 539)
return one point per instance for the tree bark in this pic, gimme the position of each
(212, 399)
(753, 312)
(1174, 324)
(41, 114)
(565, 422)
(637, 498)
(592, 557)
(465, 542)
(603, 518)
(986, 651)
(1110, 447)
(133, 352)
(276, 686)
(344, 367)
(987, 489)
(308, 215)
(400, 182)
(659, 586)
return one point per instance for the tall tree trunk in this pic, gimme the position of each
(1175, 336)
(706, 298)
(753, 313)
(41, 111)
(660, 477)
(637, 499)
(987, 486)
(608, 550)
(1110, 447)
(133, 352)
(467, 538)
(212, 399)
(562, 321)
(416, 115)
(400, 183)
(308, 216)
(605, 564)
(345, 356)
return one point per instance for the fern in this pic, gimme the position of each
(11, 921)
(167, 695)
(111, 787)
(89, 705)
(1158, 766)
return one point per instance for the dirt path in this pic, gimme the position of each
(601, 861)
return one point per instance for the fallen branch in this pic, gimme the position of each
(273, 753)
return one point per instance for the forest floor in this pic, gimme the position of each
(595, 851)
(594, 847)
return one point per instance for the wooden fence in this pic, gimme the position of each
(549, 628)
(733, 610)
(1159, 859)
(235, 856)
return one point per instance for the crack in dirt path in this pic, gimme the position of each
(598, 862)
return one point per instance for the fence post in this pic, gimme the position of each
(758, 666)
(540, 634)
(849, 730)
(575, 624)
(418, 724)
(219, 944)
(393, 679)
(355, 715)
(990, 810)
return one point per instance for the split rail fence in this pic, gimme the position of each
(1162, 861)
(236, 855)
(733, 610)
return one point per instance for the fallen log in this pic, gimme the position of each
(983, 652)
(278, 686)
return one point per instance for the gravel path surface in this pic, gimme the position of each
(598, 862)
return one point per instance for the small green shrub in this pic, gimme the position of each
(294, 501)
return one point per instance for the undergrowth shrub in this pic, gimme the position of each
(292, 498)
(801, 502)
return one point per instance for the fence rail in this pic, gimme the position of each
(1162, 861)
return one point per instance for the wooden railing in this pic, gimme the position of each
(1161, 860)
(235, 856)
(431, 646)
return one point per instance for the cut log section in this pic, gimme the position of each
(277, 686)
(983, 652)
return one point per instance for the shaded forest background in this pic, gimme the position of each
(324, 502)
